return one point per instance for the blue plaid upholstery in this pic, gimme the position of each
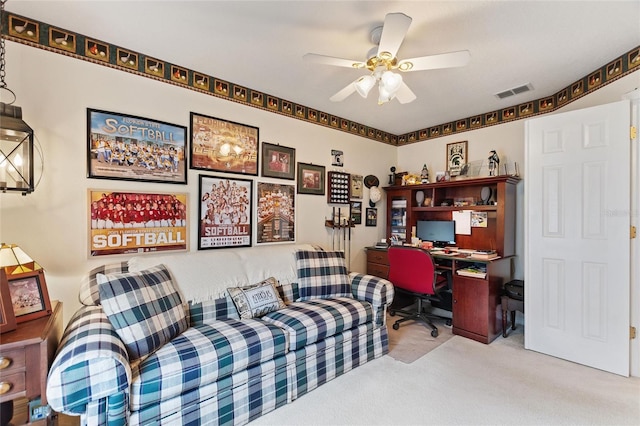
(377, 291)
(209, 311)
(89, 294)
(91, 363)
(182, 383)
(144, 308)
(202, 355)
(322, 274)
(314, 320)
(235, 399)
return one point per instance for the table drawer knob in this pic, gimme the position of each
(5, 387)
(5, 362)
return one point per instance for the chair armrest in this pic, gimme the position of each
(91, 363)
(375, 290)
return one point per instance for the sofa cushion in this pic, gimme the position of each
(322, 274)
(314, 320)
(89, 294)
(203, 354)
(144, 308)
(256, 300)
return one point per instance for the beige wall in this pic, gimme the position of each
(54, 92)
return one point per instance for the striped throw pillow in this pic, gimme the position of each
(322, 274)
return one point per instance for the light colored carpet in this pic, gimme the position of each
(463, 382)
(413, 339)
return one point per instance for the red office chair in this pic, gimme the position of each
(413, 271)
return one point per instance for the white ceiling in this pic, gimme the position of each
(260, 44)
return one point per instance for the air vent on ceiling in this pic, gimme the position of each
(514, 91)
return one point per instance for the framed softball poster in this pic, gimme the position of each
(126, 222)
(225, 212)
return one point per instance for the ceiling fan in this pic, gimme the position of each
(381, 65)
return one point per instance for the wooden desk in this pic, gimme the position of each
(476, 312)
(26, 354)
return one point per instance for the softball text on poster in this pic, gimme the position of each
(276, 212)
(137, 222)
(225, 212)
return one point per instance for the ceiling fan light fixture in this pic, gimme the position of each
(391, 81)
(364, 85)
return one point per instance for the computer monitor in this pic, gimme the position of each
(440, 232)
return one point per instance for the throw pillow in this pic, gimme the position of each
(256, 300)
(144, 308)
(89, 294)
(322, 274)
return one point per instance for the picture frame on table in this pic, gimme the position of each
(278, 161)
(29, 295)
(372, 217)
(456, 157)
(128, 147)
(224, 146)
(276, 212)
(7, 317)
(311, 179)
(225, 212)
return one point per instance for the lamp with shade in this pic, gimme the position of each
(15, 261)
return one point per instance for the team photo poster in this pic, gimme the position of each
(276, 213)
(225, 212)
(137, 222)
(126, 147)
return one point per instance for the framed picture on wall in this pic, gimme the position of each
(456, 157)
(356, 186)
(219, 145)
(128, 222)
(310, 179)
(278, 161)
(372, 217)
(29, 295)
(276, 213)
(356, 212)
(134, 148)
(225, 212)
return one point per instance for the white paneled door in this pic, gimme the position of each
(577, 230)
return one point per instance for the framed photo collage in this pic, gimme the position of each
(232, 211)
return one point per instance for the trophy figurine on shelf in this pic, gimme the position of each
(494, 163)
(392, 176)
(424, 175)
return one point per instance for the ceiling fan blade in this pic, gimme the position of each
(343, 94)
(404, 95)
(444, 60)
(395, 28)
(331, 60)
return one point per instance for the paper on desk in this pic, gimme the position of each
(463, 222)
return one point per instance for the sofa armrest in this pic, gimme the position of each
(375, 290)
(91, 364)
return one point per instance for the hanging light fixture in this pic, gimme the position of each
(388, 82)
(16, 138)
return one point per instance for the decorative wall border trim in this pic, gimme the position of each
(48, 37)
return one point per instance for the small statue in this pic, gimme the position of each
(494, 163)
(392, 176)
(424, 175)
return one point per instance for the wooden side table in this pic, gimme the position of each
(26, 354)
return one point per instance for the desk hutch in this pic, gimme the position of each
(476, 301)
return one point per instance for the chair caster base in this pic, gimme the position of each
(396, 326)
(434, 333)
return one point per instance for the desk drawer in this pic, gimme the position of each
(11, 384)
(377, 256)
(11, 361)
(378, 270)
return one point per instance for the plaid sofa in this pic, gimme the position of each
(222, 369)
